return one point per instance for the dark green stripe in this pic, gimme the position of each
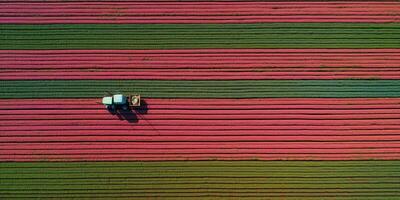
(176, 36)
(295, 179)
(201, 89)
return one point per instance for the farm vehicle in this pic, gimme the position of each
(121, 102)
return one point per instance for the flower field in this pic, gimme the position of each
(241, 99)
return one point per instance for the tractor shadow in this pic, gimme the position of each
(131, 115)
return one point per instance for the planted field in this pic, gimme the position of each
(198, 12)
(189, 129)
(201, 89)
(241, 99)
(189, 36)
(199, 180)
(205, 64)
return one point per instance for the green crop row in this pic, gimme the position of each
(201, 89)
(213, 195)
(208, 180)
(177, 36)
(297, 179)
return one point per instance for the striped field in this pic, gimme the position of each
(198, 12)
(240, 99)
(191, 129)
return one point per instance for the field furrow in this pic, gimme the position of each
(197, 12)
(202, 179)
(210, 64)
(189, 36)
(195, 129)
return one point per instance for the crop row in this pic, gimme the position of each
(175, 36)
(200, 64)
(197, 12)
(201, 89)
(200, 129)
(212, 179)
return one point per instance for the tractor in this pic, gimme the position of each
(121, 102)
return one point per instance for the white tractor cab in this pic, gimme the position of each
(120, 101)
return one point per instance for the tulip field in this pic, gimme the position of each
(240, 99)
